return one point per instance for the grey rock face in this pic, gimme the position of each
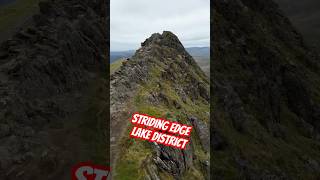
(42, 69)
(202, 131)
(173, 161)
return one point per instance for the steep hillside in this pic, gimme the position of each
(53, 107)
(199, 51)
(162, 80)
(266, 87)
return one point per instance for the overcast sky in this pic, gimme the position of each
(132, 21)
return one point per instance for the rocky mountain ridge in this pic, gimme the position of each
(51, 74)
(200, 54)
(265, 83)
(160, 78)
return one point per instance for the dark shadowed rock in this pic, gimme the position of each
(48, 71)
(217, 141)
(266, 93)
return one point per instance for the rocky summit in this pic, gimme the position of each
(266, 95)
(161, 80)
(52, 76)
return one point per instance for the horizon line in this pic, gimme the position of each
(138, 48)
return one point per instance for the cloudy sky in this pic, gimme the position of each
(132, 21)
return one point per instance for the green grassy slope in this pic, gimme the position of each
(136, 151)
(116, 65)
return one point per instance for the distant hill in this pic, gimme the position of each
(202, 56)
(115, 55)
(193, 51)
(199, 51)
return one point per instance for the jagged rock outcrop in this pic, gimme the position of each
(49, 73)
(160, 77)
(203, 132)
(265, 83)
